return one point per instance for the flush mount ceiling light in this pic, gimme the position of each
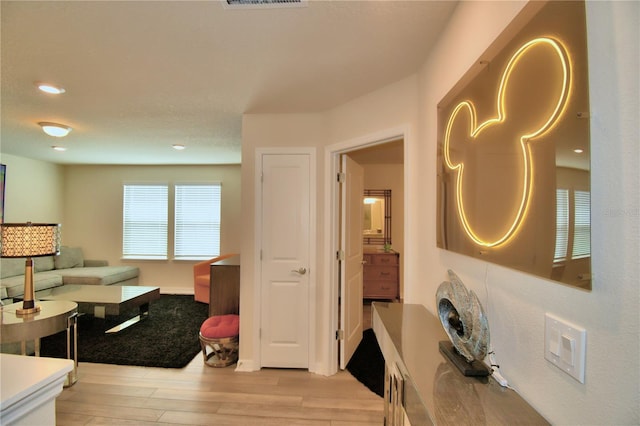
(55, 129)
(178, 147)
(50, 88)
(59, 148)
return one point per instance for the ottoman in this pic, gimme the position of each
(219, 340)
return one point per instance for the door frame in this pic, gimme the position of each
(313, 241)
(332, 220)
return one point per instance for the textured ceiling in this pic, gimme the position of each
(143, 75)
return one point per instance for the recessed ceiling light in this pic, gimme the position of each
(50, 88)
(178, 147)
(578, 150)
(55, 129)
(59, 148)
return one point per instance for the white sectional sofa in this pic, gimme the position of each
(69, 267)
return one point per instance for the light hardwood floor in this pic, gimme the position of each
(201, 395)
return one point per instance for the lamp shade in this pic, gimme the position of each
(29, 239)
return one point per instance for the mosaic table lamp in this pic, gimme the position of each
(29, 240)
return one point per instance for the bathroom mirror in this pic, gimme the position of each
(376, 224)
(513, 150)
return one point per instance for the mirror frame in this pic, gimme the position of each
(386, 238)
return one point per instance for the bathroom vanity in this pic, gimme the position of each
(381, 275)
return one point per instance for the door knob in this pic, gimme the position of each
(300, 271)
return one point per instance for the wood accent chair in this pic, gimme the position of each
(202, 277)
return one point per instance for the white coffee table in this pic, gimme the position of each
(101, 300)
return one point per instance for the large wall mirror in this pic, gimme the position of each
(376, 223)
(513, 150)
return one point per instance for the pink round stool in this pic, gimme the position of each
(219, 340)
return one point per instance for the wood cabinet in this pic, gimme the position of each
(381, 275)
(224, 296)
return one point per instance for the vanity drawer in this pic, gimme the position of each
(383, 258)
(382, 273)
(380, 289)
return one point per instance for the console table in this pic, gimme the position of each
(423, 388)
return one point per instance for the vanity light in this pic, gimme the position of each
(55, 129)
(50, 88)
(178, 147)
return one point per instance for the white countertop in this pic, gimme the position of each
(27, 382)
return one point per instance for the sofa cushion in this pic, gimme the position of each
(14, 286)
(103, 275)
(41, 264)
(69, 257)
(10, 267)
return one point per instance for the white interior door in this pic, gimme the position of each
(351, 268)
(285, 246)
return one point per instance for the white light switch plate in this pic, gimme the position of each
(565, 346)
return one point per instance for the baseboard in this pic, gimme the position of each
(246, 366)
(320, 369)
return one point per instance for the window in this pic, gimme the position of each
(573, 224)
(145, 219)
(562, 225)
(582, 225)
(197, 221)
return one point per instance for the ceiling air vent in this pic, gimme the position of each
(257, 4)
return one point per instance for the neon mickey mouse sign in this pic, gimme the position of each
(525, 138)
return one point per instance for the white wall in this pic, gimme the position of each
(87, 201)
(93, 215)
(264, 130)
(515, 302)
(33, 191)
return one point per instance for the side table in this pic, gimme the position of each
(54, 317)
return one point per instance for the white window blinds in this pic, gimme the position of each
(197, 221)
(582, 225)
(562, 224)
(145, 218)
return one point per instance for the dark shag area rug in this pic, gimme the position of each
(167, 338)
(367, 363)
